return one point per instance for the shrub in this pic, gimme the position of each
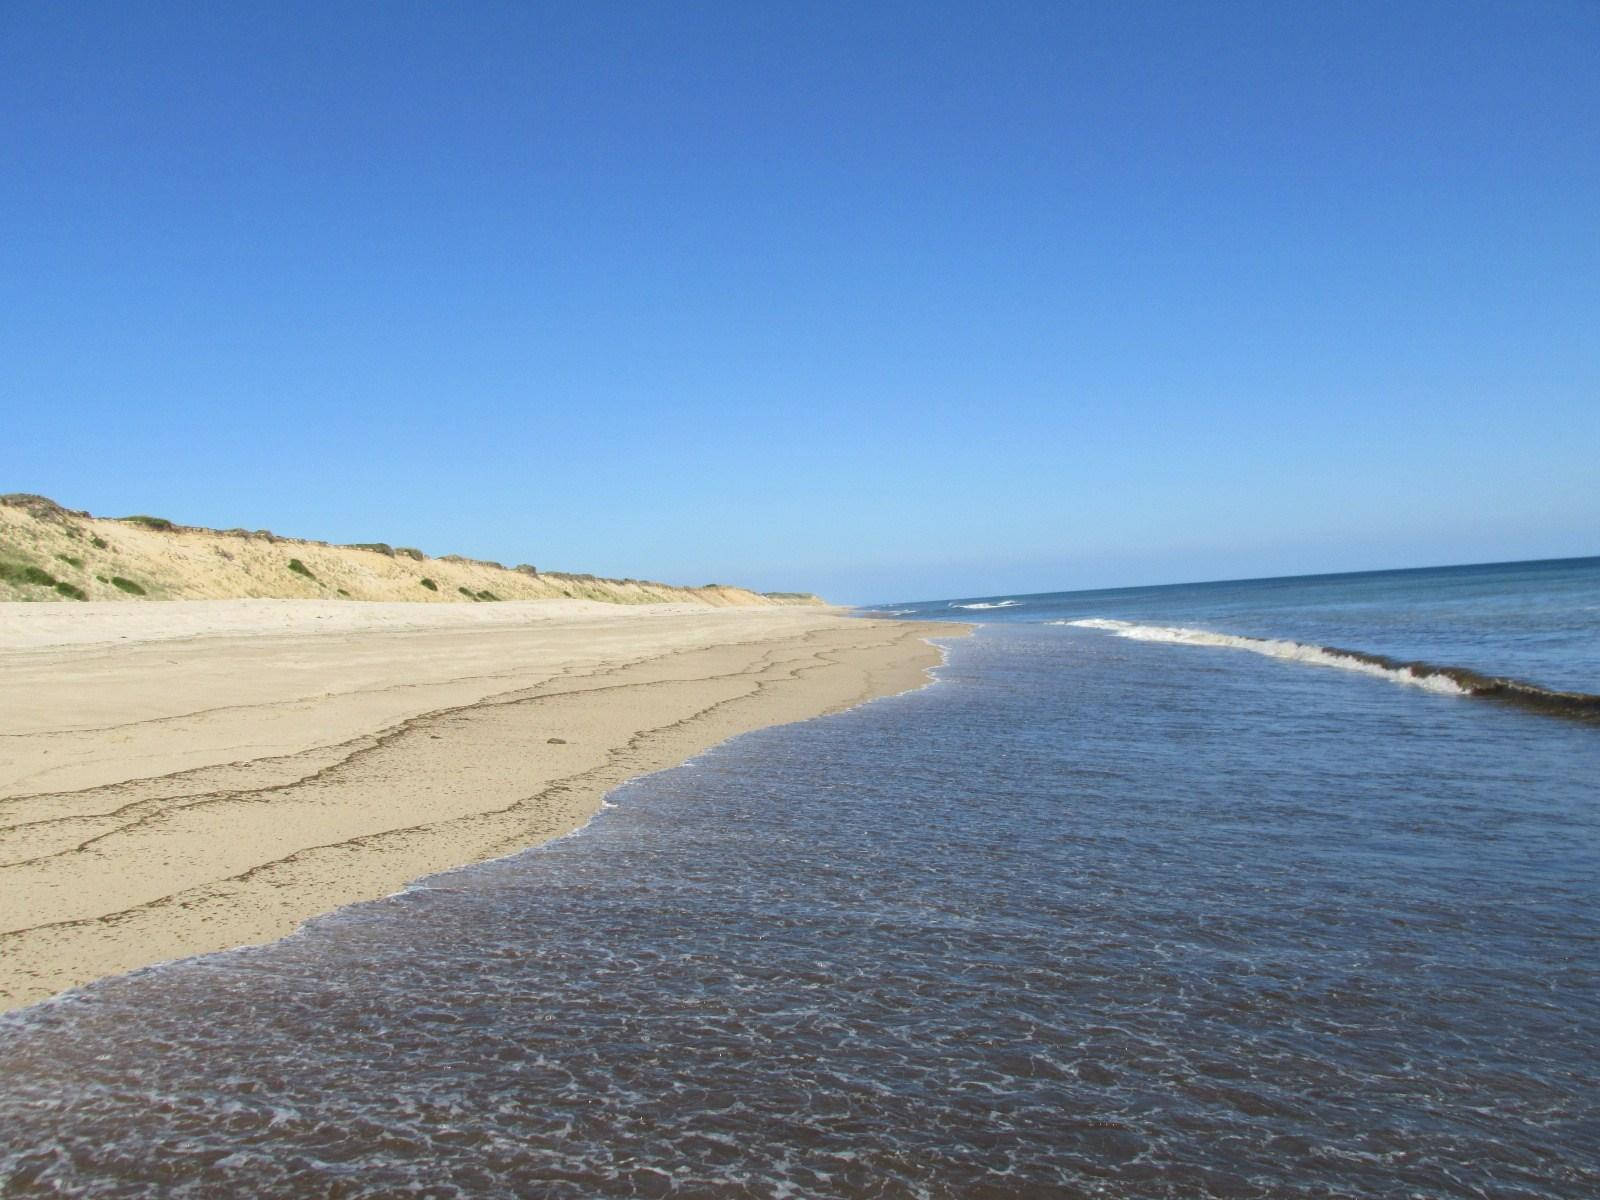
(127, 585)
(71, 561)
(430, 585)
(410, 552)
(299, 568)
(380, 547)
(17, 573)
(487, 595)
(149, 522)
(71, 590)
(468, 593)
(99, 543)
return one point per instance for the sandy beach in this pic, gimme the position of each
(181, 777)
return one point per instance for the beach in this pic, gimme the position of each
(182, 777)
(1152, 894)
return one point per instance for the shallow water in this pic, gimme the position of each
(1092, 917)
(1533, 621)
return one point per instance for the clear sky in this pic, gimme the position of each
(890, 301)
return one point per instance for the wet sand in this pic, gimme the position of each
(186, 776)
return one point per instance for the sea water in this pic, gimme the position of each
(1147, 896)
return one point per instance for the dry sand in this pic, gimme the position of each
(186, 776)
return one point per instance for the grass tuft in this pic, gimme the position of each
(71, 561)
(71, 590)
(430, 585)
(487, 595)
(149, 522)
(299, 568)
(98, 542)
(126, 585)
(18, 573)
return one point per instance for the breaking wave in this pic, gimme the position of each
(1451, 681)
(990, 604)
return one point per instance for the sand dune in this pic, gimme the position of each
(48, 552)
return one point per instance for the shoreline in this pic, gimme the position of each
(222, 771)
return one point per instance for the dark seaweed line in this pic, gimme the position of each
(1574, 706)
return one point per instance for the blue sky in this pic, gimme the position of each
(890, 301)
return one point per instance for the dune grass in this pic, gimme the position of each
(23, 573)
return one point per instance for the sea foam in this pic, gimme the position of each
(1416, 674)
(1449, 681)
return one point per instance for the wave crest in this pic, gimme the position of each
(1450, 681)
(990, 604)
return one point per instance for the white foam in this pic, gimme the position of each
(989, 604)
(1316, 656)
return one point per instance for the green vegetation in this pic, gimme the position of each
(468, 593)
(409, 552)
(18, 573)
(98, 542)
(342, 592)
(487, 595)
(430, 585)
(71, 590)
(299, 568)
(126, 585)
(380, 547)
(71, 561)
(148, 522)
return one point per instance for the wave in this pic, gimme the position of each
(1451, 681)
(990, 604)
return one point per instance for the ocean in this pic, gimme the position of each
(1277, 888)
